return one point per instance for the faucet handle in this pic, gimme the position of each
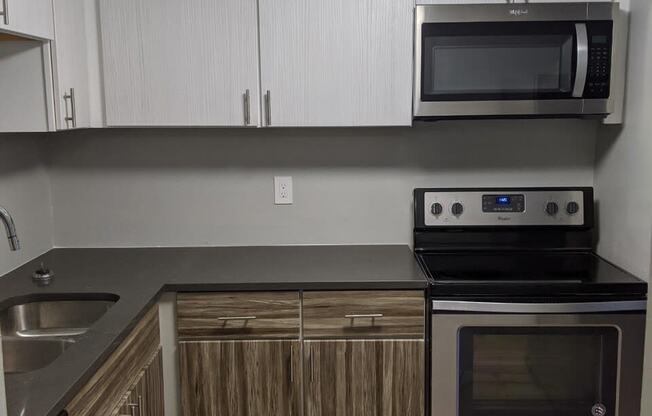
(43, 276)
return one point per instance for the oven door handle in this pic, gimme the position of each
(582, 69)
(538, 308)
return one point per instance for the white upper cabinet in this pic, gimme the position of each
(25, 86)
(336, 62)
(180, 62)
(32, 18)
(70, 58)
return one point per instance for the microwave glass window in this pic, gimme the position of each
(473, 66)
(537, 371)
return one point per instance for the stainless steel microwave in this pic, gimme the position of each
(515, 60)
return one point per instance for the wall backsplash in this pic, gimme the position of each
(25, 192)
(167, 187)
(623, 168)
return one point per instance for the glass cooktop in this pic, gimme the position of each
(526, 273)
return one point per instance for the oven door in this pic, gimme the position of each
(493, 359)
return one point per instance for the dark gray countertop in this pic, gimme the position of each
(139, 275)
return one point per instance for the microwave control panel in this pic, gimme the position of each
(599, 68)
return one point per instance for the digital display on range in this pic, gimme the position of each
(503, 203)
(503, 200)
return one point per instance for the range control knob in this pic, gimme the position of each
(436, 209)
(552, 208)
(457, 209)
(572, 208)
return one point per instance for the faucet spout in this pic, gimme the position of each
(10, 227)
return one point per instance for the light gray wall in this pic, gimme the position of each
(215, 187)
(25, 192)
(624, 172)
(624, 160)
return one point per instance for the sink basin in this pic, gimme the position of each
(23, 356)
(34, 334)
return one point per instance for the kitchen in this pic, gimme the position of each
(93, 203)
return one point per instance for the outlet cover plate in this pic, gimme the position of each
(283, 190)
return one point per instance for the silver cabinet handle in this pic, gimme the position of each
(582, 60)
(268, 108)
(247, 114)
(291, 368)
(72, 118)
(538, 308)
(136, 406)
(5, 11)
(364, 315)
(235, 318)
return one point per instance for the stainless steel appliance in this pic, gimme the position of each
(526, 319)
(488, 60)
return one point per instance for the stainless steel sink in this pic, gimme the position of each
(23, 356)
(34, 334)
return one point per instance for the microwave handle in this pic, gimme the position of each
(538, 308)
(582, 60)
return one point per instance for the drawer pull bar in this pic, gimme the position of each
(367, 315)
(139, 406)
(236, 318)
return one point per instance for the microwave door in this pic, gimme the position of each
(502, 61)
(500, 68)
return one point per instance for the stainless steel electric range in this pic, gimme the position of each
(526, 319)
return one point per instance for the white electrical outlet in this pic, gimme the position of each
(283, 190)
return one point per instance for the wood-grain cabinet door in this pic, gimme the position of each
(364, 377)
(145, 397)
(336, 62)
(152, 386)
(134, 401)
(240, 378)
(180, 62)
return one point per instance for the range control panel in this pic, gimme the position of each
(496, 208)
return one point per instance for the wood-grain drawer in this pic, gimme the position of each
(238, 315)
(364, 313)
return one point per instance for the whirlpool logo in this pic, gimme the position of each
(519, 12)
(502, 218)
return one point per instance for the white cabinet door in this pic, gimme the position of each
(179, 62)
(70, 65)
(337, 62)
(32, 18)
(25, 86)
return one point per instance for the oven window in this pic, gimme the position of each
(497, 61)
(537, 371)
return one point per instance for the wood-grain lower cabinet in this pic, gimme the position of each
(364, 377)
(240, 378)
(133, 369)
(347, 353)
(145, 397)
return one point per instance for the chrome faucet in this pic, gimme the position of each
(10, 227)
